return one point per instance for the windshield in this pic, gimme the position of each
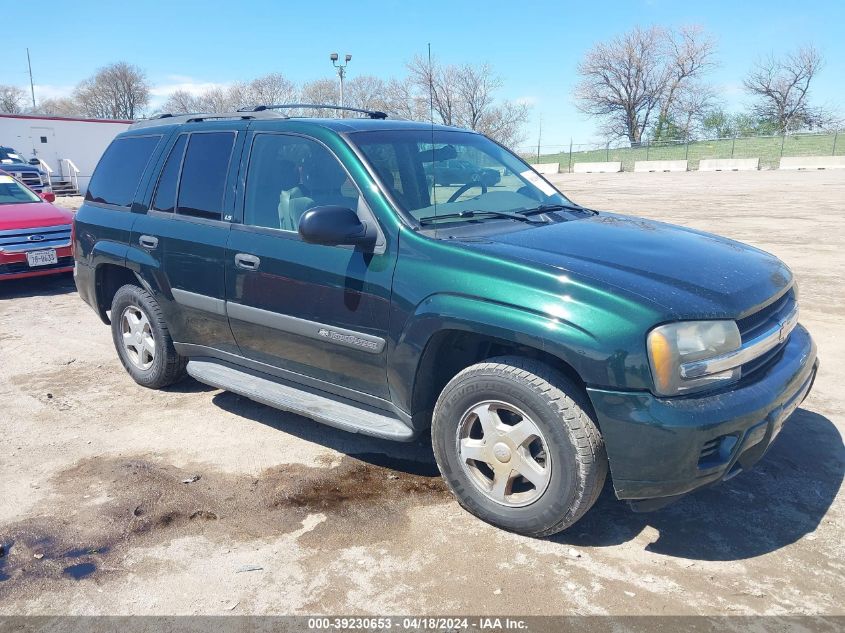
(458, 172)
(13, 192)
(8, 156)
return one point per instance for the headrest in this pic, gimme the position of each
(325, 173)
(287, 174)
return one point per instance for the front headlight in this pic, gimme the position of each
(673, 344)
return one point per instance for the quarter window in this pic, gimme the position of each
(288, 175)
(119, 171)
(204, 171)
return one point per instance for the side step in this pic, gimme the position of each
(336, 413)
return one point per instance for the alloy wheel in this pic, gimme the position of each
(137, 336)
(504, 453)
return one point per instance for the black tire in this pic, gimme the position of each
(561, 412)
(167, 366)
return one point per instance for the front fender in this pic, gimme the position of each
(441, 312)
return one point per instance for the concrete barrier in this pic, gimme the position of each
(729, 164)
(813, 162)
(660, 165)
(597, 168)
(547, 168)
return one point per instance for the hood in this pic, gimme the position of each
(690, 274)
(18, 167)
(32, 215)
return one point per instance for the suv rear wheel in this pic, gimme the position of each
(142, 340)
(516, 443)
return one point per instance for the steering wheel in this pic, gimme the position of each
(467, 187)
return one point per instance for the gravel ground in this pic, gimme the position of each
(281, 515)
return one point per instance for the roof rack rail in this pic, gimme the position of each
(176, 119)
(192, 118)
(373, 114)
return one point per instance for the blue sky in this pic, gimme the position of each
(534, 46)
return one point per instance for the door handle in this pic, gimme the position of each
(148, 241)
(247, 262)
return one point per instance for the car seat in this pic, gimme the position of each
(294, 199)
(325, 178)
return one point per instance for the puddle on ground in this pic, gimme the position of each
(103, 506)
(80, 570)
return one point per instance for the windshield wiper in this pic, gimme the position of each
(477, 213)
(547, 208)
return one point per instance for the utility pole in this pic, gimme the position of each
(31, 85)
(341, 73)
(539, 137)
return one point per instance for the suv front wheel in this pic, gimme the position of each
(142, 340)
(516, 444)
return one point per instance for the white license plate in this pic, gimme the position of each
(42, 258)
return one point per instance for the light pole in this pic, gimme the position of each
(341, 72)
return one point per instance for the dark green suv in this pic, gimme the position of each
(320, 266)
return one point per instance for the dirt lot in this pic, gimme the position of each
(292, 517)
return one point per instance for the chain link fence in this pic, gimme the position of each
(769, 149)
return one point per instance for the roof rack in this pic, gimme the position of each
(167, 118)
(372, 114)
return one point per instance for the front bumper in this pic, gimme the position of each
(662, 448)
(14, 265)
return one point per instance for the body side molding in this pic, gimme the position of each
(199, 301)
(303, 327)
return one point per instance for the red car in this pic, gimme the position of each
(35, 236)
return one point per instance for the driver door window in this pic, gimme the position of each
(287, 175)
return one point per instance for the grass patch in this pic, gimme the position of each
(768, 149)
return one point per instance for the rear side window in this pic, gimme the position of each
(165, 199)
(204, 170)
(119, 171)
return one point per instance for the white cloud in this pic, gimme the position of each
(49, 91)
(161, 91)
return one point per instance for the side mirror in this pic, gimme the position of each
(34, 161)
(48, 196)
(334, 226)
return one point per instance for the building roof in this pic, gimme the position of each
(39, 117)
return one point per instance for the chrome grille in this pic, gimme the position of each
(758, 322)
(21, 240)
(29, 178)
(753, 324)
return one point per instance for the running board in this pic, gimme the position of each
(347, 417)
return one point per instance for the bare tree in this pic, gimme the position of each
(12, 100)
(475, 87)
(401, 99)
(691, 106)
(505, 123)
(367, 92)
(181, 102)
(219, 99)
(271, 89)
(61, 106)
(465, 96)
(118, 91)
(439, 83)
(782, 89)
(322, 91)
(690, 54)
(640, 76)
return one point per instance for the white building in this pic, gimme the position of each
(68, 148)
